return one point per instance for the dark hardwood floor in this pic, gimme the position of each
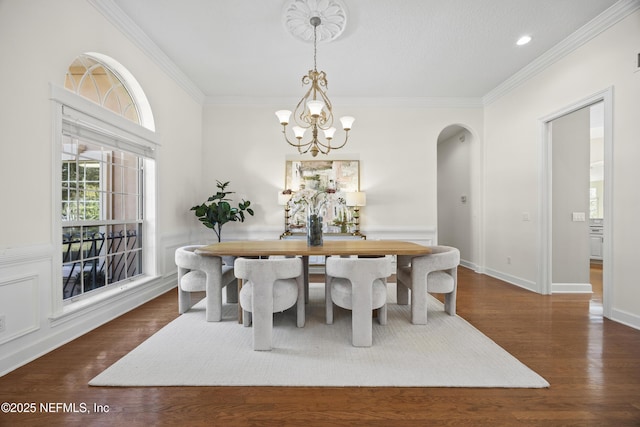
(592, 364)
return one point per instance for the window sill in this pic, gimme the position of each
(80, 308)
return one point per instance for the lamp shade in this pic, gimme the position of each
(347, 122)
(283, 116)
(328, 133)
(298, 131)
(356, 198)
(315, 107)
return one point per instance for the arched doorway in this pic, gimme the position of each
(457, 192)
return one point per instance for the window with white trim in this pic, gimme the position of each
(102, 182)
(101, 215)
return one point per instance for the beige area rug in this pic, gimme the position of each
(447, 352)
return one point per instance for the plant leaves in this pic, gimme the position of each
(220, 211)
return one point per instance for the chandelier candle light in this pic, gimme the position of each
(314, 111)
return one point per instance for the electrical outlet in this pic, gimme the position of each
(3, 323)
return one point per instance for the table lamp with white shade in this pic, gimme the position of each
(356, 199)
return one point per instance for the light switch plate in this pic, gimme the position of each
(578, 217)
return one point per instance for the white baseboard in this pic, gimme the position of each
(571, 288)
(470, 265)
(628, 319)
(514, 280)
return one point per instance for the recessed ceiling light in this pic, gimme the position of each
(523, 40)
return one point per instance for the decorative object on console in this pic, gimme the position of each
(314, 109)
(356, 199)
(343, 217)
(283, 200)
(219, 211)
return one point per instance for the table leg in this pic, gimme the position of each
(305, 264)
(239, 306)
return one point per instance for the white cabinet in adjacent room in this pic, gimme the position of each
(596, 234)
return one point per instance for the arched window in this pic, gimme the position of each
(91, 79)
(106, 168)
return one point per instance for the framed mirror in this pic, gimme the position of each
(329, 180)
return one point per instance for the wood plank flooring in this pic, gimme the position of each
(592, 364)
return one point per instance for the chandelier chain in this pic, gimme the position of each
(315, 38)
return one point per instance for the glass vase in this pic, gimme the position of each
(314, 229)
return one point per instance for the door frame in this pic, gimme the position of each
(545, 233)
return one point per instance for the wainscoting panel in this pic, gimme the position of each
(26, 301)
(421, 235)
(19, 307)
(169, 243)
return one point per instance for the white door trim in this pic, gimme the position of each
(545, 208)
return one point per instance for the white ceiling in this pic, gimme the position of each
(239, 49)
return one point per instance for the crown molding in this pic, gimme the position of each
(125, 25)
(605, 20)
(401, 102)
(591, 29)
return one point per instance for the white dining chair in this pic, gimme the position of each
(433, 273)
(359, 285)
(197, 273)
(270, 286)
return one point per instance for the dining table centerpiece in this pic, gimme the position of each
(315, 203)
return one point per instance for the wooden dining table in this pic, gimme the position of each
(266, 248)
(262, 248)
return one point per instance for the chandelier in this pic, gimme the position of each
(314, 111)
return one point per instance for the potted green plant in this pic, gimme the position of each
(217, 213)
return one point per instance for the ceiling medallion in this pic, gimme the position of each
(298, 13)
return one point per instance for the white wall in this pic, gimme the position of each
(512, 139)
(396, 148)
(38, 41)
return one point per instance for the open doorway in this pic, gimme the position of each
(596, 205)
(575, 203)
(455, 192)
